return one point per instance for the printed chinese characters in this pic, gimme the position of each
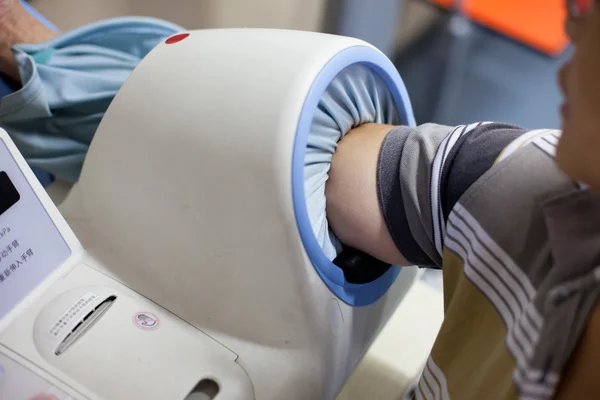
(11, 251)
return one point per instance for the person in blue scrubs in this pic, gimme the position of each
(56, 86)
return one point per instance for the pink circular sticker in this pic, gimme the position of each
(146, 321)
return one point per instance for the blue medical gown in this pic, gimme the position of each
(68, 83)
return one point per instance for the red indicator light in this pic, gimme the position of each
(177, 38)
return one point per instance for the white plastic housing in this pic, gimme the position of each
(48, 289)
(186, 197)
(185, 207)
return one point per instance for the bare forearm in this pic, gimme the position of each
(353, 207)
(18, 26)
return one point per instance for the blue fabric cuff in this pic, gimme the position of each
(356, 96)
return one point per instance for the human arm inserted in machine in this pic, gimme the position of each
(390, 189)
(352, 202)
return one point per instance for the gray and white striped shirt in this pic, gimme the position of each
(519, 246)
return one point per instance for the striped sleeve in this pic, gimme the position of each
(423, 172)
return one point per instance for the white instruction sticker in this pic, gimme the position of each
(76, 312)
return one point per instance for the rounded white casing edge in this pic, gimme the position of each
(185, 197)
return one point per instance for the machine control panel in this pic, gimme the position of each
(31, 246)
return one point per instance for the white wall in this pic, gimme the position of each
(192, 14)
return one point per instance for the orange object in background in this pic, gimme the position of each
(536, 23)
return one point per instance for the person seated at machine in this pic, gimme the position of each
(515, 231)
(511, 216)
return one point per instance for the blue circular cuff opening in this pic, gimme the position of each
(332, 275)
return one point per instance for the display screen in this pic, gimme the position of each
(8, 193)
